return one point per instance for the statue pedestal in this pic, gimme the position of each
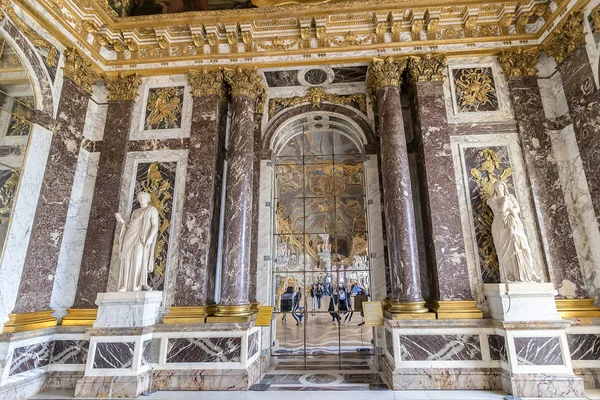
(513, 302)
(127, 309)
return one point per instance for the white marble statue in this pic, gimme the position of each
(137, 241)
(512, 246)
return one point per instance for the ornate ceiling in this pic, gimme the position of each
(294, 34)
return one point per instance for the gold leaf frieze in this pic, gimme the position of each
(316, 96)
(475, 89)
(277, 44)
(352, 39)
(428, 68)
(519, 62)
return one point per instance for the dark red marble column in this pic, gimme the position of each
(32, 308)
(406, 298)
(237, 230)
(95, 264)
(542, 171)
(451, 295)
(195, 284)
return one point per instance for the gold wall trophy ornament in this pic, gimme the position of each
(475, 89)
(386, 72)
(520, 62)
(317, 96)
(207, 83)
(244, 82)
(164, 108)
(567, 38)
(428, 68)
(123, 87)
(31, 34)
(79, 70)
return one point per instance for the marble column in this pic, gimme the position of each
(406, 298)
(32, 308)
(195, 284)
(246, 87)
(542, 171)
(448, 272)
(97, 251)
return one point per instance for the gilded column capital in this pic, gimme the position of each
(386, 72)
(79, 70)
(245, 82)
(519, 62)
(123, 87)
(207, 83)
(428, 68)
(567, 38)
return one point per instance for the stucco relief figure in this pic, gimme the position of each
(512, 246)
(137, 240)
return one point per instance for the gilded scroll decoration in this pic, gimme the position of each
(79, 70)
(567, 38)
(206, 83)
(123, 87)
(492, 166)
(428, 68)
(519, 62)
(158, 179)
(277, 44)
(164, 108)
(317, 96)
(475, 89)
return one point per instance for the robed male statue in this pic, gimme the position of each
(137, 241)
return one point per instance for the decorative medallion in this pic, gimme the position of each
(123, 87)
(519, 62)
(164, 108)
(475, 89)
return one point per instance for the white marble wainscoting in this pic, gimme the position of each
(521, 191)
(95, 118)
(583, 338)
(127, 196)
(71, 251)
(22, 218)
(127, 309)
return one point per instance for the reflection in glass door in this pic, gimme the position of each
(321, 264)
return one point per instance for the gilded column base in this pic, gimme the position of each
(189, 314)
(459, 309)
(80, 317)
(29, 321)
(240, 313)
(577, 308)
(408, 310)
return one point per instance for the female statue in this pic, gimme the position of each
(512, 247)
(137, 241)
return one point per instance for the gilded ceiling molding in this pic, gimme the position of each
(123, 87)
(386, 72)
(244, 82)
(31, 34)
(316, 96)
(520, 62)
(428, 68)
(567, 38)
(596, 17)
(79, 70)
(207, 83)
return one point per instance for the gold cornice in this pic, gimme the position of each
(244, 82)
(207, 83)
(386, 72)
(428, 68)
(80, 70)
(567, 38)
(519, 62)
(123, 87)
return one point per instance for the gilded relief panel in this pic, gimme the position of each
(484, 167)
(164, 108)
(475, 90)
(21, 114)
(158, 179)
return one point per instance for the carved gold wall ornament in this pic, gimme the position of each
(131, 45)
(595, 14)
(416, 28)
(474, 89)
(207, 83)
(428, 68)
(213, 42)
(351, 39)
(232, 40)
(316, 96)
(433, 27)
(31, 34)
(505, 23)
(305, 36)
(277, 44)
(522, 21)
(248, 41)
(519, 62)
(123, 87)
(567, 38)
(7, 196)
(386, 72)
(244, 82)
(396, 29)
(79, 70)
(164, 108)
(90, 26)
(470, 25)
(380, 30)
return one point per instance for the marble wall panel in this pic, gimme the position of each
(354, 74)
(497, 345)
(584, 346)
(113, 355)
(389, 342)
(70, 351)
(194, 350)
(253, 344)
(538, 351)
(282, 78)
(439, 347)
(31, 357)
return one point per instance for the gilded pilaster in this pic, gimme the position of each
(123, 87)
(79, 70)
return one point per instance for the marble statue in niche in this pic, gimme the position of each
(512, 246)
(137, 241)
